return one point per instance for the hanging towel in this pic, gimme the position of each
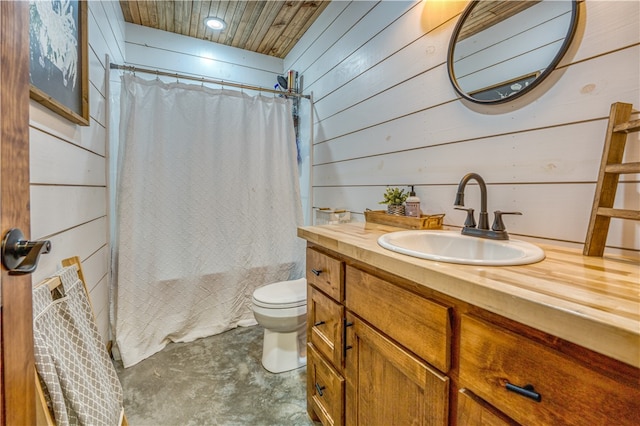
(71, 360)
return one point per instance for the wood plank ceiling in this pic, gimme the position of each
(268, 27)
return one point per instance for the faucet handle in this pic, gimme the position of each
(470, 221)
(498, 224)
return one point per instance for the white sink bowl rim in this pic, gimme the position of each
(453, 247)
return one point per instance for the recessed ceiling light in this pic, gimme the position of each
(215, 23)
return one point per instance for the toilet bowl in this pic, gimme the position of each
(281, 308)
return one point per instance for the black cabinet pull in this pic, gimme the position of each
(318, 323)
(316, 272)
(345, 347)
(319, 389)
(526, 391)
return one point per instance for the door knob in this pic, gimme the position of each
(21, 256)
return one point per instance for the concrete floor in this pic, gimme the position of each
(218, 380)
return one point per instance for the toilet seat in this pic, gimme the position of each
(282, 295)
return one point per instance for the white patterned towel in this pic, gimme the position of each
(80, 381)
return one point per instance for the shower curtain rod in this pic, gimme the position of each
(204, 80)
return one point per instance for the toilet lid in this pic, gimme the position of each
(284, 294)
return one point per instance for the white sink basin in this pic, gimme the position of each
(453, 247)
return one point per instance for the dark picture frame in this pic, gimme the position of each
(59, 73)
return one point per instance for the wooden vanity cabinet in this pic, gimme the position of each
(356, 375)
(385, 351)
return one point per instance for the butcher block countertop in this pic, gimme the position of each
(590, 301)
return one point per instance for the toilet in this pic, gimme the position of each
(281, 308)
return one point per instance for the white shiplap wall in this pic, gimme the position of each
(386, 114)
(165, 51)
(69, 170)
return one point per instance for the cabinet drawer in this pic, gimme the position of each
(325, 326)
(326, 273)
(472, 411)
(570, 393)
(325, 389)
(421, 325)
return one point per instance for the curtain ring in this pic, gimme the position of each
(177, 78)
(202, 82)
(157, 75)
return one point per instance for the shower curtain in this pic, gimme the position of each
(208, 203)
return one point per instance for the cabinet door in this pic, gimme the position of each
(387, 385)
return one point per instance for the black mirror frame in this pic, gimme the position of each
(548, 70)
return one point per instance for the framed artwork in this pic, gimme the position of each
(59, 73)
(504, 89)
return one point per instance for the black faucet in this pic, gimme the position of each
(498, 230)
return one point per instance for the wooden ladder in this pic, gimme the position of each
(611, 167)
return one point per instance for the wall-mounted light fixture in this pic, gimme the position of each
(215, 23)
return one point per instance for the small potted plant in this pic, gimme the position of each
(394, 199)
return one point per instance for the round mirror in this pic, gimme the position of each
(502, 49)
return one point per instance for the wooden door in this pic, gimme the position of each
(387, 385)
(17, 392)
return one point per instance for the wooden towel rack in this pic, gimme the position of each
(611, 167)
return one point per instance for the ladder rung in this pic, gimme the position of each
(619, 213)
(627, 127)
(623, 168)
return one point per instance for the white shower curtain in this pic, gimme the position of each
(207, 208)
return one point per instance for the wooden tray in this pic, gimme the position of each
(423, 222)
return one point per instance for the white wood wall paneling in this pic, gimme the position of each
(157, 39)
(97, 76)
(54, 161)
(604, 26)
(115, 19)
(357, 36)
(97, 105)
(92, 138)
(151, 57)
(410, 61)
(380, 44)
(570, 153)
(545, 208)
(294, 60)
(593, 85)
(89, 137)
(100, 302)
(68, 191)
(417, 94)
(403, 34)
(333, 24)
(57, 208)
(97, 265)
(431, 50)
(106, 31)
(81, 240)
